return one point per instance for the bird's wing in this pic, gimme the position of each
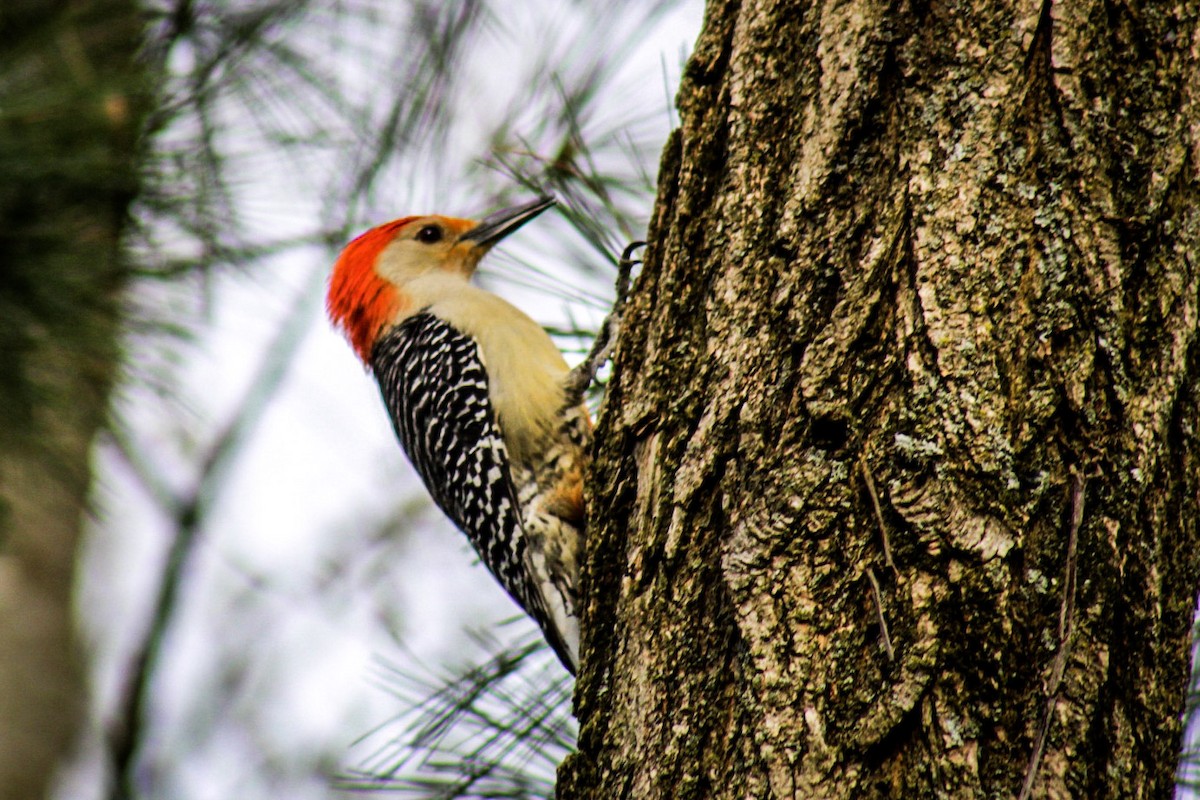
(435, 386)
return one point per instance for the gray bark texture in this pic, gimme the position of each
(68, 133)
(897, 478)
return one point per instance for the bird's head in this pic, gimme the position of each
(368, 286)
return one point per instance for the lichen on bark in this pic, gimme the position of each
(897, 476)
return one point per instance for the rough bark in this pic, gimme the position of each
(68, 126)
(897, 479)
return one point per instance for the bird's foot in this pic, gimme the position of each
(581, 377)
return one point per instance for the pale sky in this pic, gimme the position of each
(272, 668)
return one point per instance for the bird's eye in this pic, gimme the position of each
(429, 234)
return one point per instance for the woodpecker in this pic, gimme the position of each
(481, 401)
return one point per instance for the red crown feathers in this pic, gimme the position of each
(359, 301)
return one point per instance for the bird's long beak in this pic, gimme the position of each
(496, 226)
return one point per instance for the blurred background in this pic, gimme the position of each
(271, 606)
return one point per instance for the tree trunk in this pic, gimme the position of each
(68, 127)
(896, 492)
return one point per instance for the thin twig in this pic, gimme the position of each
(128, 730)
(883, 626)
(869, 480)
(1066, 627)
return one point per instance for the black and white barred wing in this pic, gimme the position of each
(435, 386)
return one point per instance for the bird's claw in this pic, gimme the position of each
(627, 253)
(624, 271)
(582, 376)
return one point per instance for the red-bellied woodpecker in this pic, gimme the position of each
(480, 398)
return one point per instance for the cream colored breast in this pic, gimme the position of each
(525, 369)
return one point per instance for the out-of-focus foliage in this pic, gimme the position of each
(72, 100)
(259, 539)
